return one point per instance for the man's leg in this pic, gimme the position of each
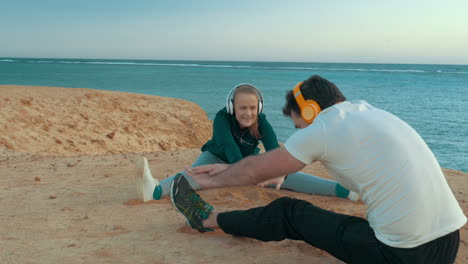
(348, 238)
(442, 250)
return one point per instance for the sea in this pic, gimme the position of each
(432, 98)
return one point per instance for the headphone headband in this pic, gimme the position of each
(230, 98)
(309, 108)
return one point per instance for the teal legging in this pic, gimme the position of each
(307, 183)
(204, 159)
(298, 182)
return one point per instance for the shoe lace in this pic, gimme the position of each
(197, 201)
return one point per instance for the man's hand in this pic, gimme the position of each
(202, 174)
(276, 181)
(250, 170)
(210, 169)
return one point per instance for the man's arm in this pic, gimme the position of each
(251, 170)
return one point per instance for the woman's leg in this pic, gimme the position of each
(307, 183)
(204, 159)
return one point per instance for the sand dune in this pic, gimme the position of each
(52, 121)
(76, 204)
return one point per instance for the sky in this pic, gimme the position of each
(368, 31)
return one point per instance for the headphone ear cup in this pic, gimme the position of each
(260, 107)
(231, 107)
(308, 114)
(310, 111)
(230, 101)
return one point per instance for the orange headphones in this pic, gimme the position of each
(309, 108)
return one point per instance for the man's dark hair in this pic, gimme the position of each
(316, 88)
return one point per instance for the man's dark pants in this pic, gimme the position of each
(346, 237)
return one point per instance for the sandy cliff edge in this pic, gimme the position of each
(54, 121)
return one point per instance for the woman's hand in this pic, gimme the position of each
(276, 181)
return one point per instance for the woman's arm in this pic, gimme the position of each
(222, 136)
(269, 139)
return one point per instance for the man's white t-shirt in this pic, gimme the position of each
(379, 156)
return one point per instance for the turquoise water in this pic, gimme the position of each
(431, 98)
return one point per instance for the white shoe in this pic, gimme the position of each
(145, 183)
(352, 196)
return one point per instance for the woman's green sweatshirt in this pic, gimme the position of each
(231, 144)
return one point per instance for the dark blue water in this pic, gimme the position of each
(431, 98)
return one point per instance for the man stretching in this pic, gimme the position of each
(412, 215)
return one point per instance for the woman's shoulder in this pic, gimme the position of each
(262, 118)
(223, 113)
(223, 116)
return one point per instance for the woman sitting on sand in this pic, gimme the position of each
(237, 129)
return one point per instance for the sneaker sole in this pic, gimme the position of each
(139, 178)
(201, 229)
(172, 200)
(140, 181)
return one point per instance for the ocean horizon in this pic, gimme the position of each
(432, 98)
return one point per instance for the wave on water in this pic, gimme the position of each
(266, 67)
(143, 64)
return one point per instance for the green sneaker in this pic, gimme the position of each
(189, 203)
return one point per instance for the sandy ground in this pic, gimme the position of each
(64, 208)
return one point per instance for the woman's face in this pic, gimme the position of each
(246, 109)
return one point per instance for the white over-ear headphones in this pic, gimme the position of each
(230, 98)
